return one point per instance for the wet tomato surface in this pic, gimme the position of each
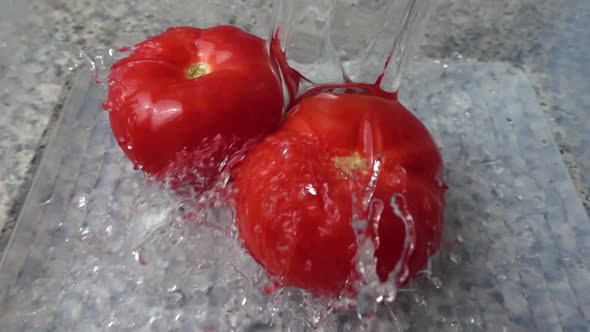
(184, 101)
(338, 162)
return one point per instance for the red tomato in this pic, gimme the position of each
(184, 100)
(298, 190)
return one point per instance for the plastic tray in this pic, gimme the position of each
(515, 256)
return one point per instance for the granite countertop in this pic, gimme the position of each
(40, 44)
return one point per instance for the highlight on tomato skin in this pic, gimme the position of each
(298, 190)
(187, 99)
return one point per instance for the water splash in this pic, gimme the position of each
(99, 60)
(401, 271)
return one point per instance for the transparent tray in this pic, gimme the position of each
(515, 255)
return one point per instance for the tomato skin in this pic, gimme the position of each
(171, 121)
(297, 190)
(281, 219)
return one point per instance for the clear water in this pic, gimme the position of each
(337, 41)
(128, 255)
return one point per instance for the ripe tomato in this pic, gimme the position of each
(184, 100)
(298, 191)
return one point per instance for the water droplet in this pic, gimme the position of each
(107, 105)
(501, 276)
(436, 282)
(84, 231)
(455, 258)
(82, 201)
(109, 230)
(129, 147)
(460, 238)
(307, 266)
(310, 189)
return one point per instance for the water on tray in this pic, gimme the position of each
(126, 254)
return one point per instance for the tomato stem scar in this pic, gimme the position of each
(349, 164)
(197, 70)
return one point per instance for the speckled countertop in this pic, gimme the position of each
(40, 41)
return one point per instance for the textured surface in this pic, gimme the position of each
(515, 255)
(548, 40)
